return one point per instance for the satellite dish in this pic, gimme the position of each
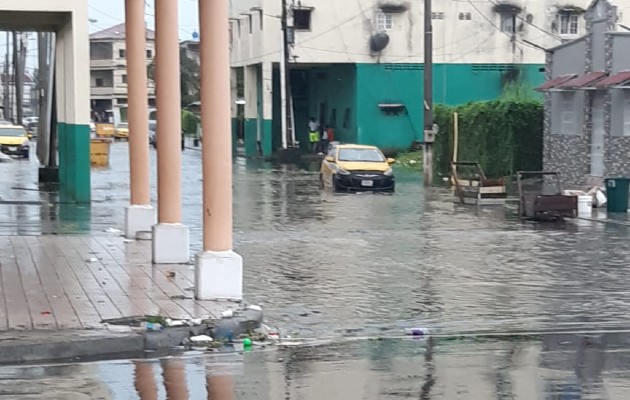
(379, 41)
(195, 35)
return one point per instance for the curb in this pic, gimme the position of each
(20, 347)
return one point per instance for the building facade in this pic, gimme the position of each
(108, 71)
(358, 66)
(587, 101)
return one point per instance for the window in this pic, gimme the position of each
(626, 117)
(465, 16)
(262, 18)
(333, 118)
(567, 114)
(149, 54)
(124, 78)
(437, 15)
(302, 19)
(508, 23)
(568, 23)
(99, 82)
(251, 24)
(121, 101)
(384, 22)
(121, 53)
(346, 119)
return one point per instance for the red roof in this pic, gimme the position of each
(583, 80)
(558, 80)
(613, 80)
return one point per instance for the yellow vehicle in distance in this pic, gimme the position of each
(122, 131)
(353, 167)
(14, 141)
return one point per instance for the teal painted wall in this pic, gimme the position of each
(360, 88)
(74, 162)
(455, 84)
(392, 84)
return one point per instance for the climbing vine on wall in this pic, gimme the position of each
(504, 136)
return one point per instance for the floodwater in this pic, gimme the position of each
(521, 311)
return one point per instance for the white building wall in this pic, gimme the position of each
(464, 32)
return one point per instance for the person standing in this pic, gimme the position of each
(325, 140)
(313, 134)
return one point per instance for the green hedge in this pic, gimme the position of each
(504, 136)
(189, 122)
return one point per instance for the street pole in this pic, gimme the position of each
(43, 127)
(139, 215)
(19, 56)
(429, 134)
(6, 97)
(218, 269)
(288, 122)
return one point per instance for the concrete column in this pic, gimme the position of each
(171, 241)
(250, 85)
(139, 215)
(267, 109)
(218, 271)
(72, 87)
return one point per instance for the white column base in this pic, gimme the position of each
(139, 219)
(219, 275)
(171, 244)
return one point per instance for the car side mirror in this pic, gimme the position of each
(29, 136)
(330, 159)
(391, 161)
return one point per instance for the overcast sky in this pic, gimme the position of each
(112, 12)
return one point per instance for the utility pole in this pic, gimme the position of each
(20, 60)
(429, 132)
(286, 80)
(6, 96)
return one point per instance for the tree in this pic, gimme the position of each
(189, 78)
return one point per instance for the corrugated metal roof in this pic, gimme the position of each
(583, 80)
(613, 80)
(550, 84)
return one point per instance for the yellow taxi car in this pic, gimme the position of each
(14, 141)
(122, 131)
(352, 167)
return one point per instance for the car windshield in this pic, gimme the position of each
(12, 132)
(361, 155)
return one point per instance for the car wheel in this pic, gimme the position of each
(25, 155)
(336, 187)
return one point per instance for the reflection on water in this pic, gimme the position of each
(567, 366)
(325, 265)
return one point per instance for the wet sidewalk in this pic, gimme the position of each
(63, 282)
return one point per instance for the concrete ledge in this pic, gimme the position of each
(27, 346)
(19, 347)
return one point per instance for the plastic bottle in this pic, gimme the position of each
(416, 331)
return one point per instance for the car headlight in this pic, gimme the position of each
(342, 171)
(389, 172)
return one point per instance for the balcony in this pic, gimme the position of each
(103, 91)
(102, 64)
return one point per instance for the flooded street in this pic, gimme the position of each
(545, 306)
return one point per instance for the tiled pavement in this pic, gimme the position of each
(66, 282)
